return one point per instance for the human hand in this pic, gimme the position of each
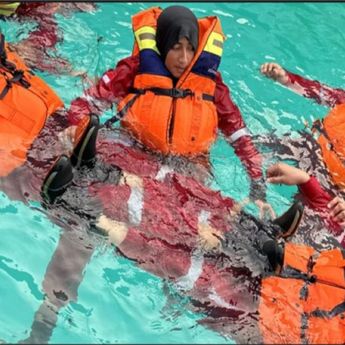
(117, 231)
(337, 210)
(274, 71)
(286, 174)
(265, 209)
(67, 139)
(209, 237)
(131, 180)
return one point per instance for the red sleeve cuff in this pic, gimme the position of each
(314, 193)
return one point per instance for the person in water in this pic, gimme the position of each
(329, 131)
(39, 48)
(187, 241)
(295, 295)
(214, 286)
(170, 94)
(36, 139)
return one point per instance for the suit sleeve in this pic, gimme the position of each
(317, 198)
(313, 89)
(113, 86)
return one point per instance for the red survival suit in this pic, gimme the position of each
(164, 242)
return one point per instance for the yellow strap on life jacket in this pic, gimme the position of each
(146, 38)
(215, 43)
(8, 8)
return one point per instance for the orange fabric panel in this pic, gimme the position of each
(143, 81)
(280, 311)
(196, 132)
(146, 18)
(330, 267)
(334, 124)
(297, 256)
(148, 120)
(334, 164)
(23, 112)
(326, 331)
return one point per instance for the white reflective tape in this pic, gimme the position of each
(213, 296)
(163, 171)
(135, 205)
(203, 217)
(187, 282)
(238, 134)
(106, 79)
(341, 237)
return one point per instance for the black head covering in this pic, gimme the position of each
(174, 23)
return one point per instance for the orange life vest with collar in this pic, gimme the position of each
(25, 103)
(182, 119)
(306, 304)
(331, 131)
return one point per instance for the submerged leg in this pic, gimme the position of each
(61, 281)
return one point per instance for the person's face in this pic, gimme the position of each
(179, 57)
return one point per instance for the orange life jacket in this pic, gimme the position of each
(332, 142)
(306, 304)
(25, 103)
(181, 119)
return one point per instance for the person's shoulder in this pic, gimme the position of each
(132, 59)
(129, 62)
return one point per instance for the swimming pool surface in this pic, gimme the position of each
(117, 302)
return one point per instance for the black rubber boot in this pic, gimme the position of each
(85, 151)
(60, 176)
(275, 254)
(290, 220)
(269, 247)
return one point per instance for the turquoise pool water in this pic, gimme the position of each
(117, 302)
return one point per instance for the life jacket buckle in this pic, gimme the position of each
(181, 93)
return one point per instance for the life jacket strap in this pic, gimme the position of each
(17, 75)
(174, 93)
(3, 55)
(119, 115)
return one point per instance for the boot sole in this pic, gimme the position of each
(293, 227)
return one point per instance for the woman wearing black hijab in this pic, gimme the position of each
(177, 38)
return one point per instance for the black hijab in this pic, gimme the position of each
(174, 23)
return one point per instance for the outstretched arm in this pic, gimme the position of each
(313, 89)
(314, 195)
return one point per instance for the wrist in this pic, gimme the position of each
(304, 179)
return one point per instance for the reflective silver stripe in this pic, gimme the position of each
(163, 171)
(197, 259)
(147, 36)
(187, 282)
(218, 43)
(203, 217)
(135, 205)
(238, 134)
(106, 79)
(213, 296)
